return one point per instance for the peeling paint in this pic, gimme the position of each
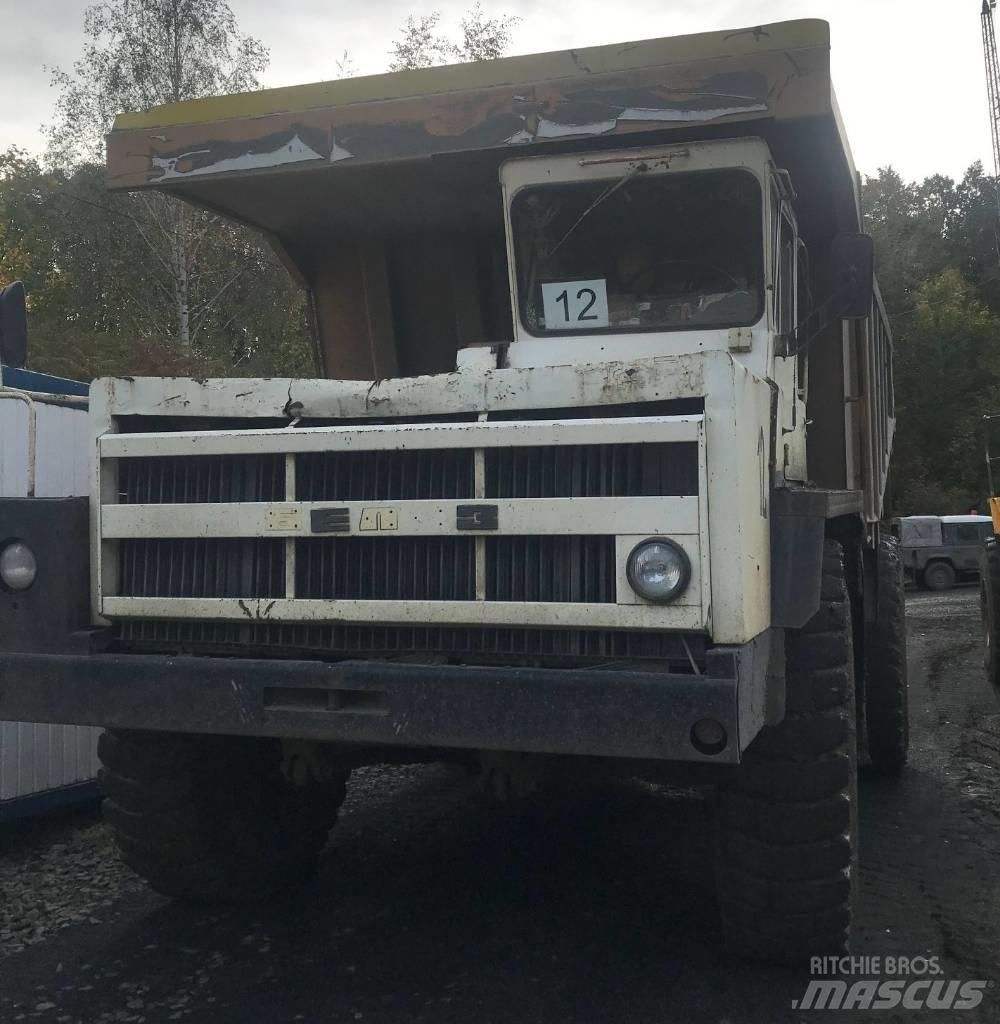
(547, 128)
(337, 152)
(554, 130)
(292, 152)
(678, 114)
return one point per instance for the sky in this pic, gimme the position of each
(909, 74)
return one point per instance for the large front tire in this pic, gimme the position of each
(886, 688)
(213, 818)
(787, 851)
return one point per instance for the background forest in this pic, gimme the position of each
(143, 285)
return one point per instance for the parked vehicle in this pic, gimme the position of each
(43, 456)
(553, 507)
(940, 551)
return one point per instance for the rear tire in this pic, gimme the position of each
(886, 689)
(212, 818)
(939, 576)
(786, 869)
(989, 571)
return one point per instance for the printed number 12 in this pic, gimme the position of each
(563, 297)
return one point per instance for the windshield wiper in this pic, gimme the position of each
(606, 194)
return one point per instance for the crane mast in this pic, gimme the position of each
(992, 82)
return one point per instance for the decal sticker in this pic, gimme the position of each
(575, 305)
(283, 519)
(379, 519)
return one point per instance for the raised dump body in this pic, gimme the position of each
(596, 468)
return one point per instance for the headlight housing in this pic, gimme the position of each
(658, 570)
(18, 566)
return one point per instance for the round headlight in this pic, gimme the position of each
(18, 567)
(658, 570)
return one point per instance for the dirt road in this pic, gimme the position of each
(436, 905)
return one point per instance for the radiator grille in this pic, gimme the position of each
(567, 569)
(384, 475)
(337, 641)
(201, 478)
(592, 471)
(202, 568)
(387, 569)
(566, 471)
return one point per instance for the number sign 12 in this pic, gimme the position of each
(575, 305)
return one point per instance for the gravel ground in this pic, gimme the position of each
(55, 873)
(435, 904)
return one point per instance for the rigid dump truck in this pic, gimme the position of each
(593, 478)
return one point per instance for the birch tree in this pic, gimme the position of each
(139, 54)
(420, 44)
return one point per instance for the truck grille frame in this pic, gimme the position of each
(206, 536)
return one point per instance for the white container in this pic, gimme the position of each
(43, 766)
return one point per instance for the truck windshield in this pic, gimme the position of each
(640, 253)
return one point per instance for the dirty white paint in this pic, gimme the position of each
(549, 129)
(590, 383)
(292, 152)
(562, 517)
(687, 618)
(410, 437)
(749, 155)
(733, 568)
(337, 153)
(35, 759)
(685, 114)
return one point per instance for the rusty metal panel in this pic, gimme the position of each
(353, 311)
(604, 91)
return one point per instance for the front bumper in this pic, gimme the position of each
(598, 712)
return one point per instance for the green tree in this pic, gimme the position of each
(947, 378)
(421, 45)
(141, 53)
(210, 287)
(908, 223)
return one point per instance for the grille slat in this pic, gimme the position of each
(385, 475)
(386, 568)
(199, 479)
(593, 471)
(491, 644)
(230, 568)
